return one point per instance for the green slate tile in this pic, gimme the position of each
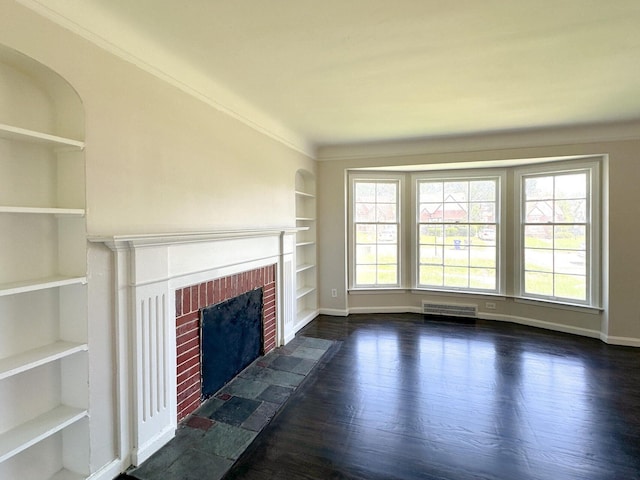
(226, 441)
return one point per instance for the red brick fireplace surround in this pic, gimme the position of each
(189, 301)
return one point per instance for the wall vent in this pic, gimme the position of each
(449, 309)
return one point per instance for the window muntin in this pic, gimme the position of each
(376, 215)
(458, 233)
(556, 235)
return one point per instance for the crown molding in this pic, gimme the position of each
(530, 138)
(246, 114)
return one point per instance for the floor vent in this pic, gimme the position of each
(450, 309)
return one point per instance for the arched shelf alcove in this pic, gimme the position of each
(306, 274)
(44, 397)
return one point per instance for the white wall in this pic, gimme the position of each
(620, 321)
(157, 160)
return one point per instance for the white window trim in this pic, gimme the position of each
(593, 259)
(351, 224)
(501, 209)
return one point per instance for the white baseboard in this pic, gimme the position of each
(622, 341)
(385, 310)
(334, 312)
(142, 453)
(532, 322)
(111, 470)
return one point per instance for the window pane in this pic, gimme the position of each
(387, 275)
(431, 276)
(538, 188)
(431, 234)
(482, 278)
(456, 277)
(365, 212)
(456, 235)
(365, 254)
(570, 261)
(387, 254)
(539, 212)
(482, 257)
(365, 233)
(482, 190)
(571, 186)
(571, 286)
(365, 192)
(386, 212)
(431, 212)
(431, 192)
(538, 283)
(431, 254)
(538, 236)
(387, 234)
(365, 274)
(454, 256)
(538, 260)
(456, 192)
(570, 211)
(484, 212)
(570, 237)
(455, 212)
(386, 192)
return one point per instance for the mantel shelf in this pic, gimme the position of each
(77, 212)
(29, 433)
(36, 357)
(24, 135)
(39, 284)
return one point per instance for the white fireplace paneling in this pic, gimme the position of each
(148, 269)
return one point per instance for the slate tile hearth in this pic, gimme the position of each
(214, 436)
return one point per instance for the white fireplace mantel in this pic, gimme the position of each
(148, 269)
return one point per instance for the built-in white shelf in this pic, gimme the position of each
(305, 219)
(302, 244)
(39, 284)
(36, 357)
(303, 291)
(24, 135)
(304, 266)
(78, 212)
(29, 433)
(305, 194)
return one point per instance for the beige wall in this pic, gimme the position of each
(620, 321)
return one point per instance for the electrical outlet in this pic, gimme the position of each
(334, 292)
(490, 305)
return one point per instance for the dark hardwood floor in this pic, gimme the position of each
(406, 397)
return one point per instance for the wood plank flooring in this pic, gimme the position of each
(407, 397)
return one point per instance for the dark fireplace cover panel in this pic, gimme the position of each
(231, 339)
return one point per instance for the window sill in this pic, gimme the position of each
(374, 291)
(538, 302)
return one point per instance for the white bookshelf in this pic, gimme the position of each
(306, 275)
(44, 429)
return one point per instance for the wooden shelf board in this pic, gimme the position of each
(36, 357)
(29, 433)
(24, 135)
(305, 194)
(43, 210)
(39, 284)
(304, 266)
(301, 292)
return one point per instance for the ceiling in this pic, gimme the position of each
(329, 72)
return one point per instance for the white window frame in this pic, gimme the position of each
(500, 175)
(593, 229)
(353, 178)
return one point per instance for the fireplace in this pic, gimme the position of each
(161, 283)
(191, 301)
